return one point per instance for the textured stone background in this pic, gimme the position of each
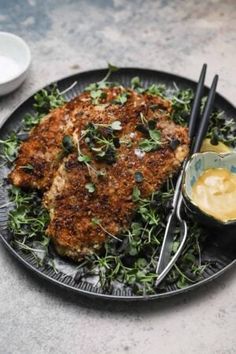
(67, 36)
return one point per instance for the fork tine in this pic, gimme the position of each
(201, 131)
(197, 102)
(165, 249)
(206, 116)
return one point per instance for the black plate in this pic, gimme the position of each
(217, 249)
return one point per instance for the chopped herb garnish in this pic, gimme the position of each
(122, 98)
(116, 125)
(97, 96)
(222, 129)
(102, 141)
(28, 222)
(95, 221)
(67, 144)
(135, 82)
(181, 104)
(96, 89)
(156, 90)
(153, 135)
(138, 176)
(116, 142)
(111, 69)
(31, 120)
(152, 124)
(135, 194)
(46, 100)
(10, 147)
(153, 143)
(174, 143)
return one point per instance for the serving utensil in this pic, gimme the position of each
(196, 135)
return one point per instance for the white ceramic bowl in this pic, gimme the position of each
(15, 60)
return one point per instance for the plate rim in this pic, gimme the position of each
(114, 297)
(4, 120)
(88, 293)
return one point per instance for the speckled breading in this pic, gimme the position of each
(43, 147)
(73, 208)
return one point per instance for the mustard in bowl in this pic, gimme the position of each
(209, 188)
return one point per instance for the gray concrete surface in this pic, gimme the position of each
(66, 36)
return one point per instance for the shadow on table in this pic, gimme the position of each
(161, 305)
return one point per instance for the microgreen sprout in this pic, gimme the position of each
(111, 69)
(152, 143)
(46, 100)
(102, 141)
(96, 89)
(95, 221)
(90, 187)
(121, 98)
(10, 147)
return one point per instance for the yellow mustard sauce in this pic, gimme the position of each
(215, 193)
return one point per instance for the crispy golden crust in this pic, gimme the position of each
(43, 149)
(72, 207)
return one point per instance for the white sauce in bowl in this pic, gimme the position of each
(9, 68)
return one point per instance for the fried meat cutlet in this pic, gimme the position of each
(73, 208)
(67, 180)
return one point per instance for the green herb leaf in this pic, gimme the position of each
(49, 99)
(136, 228)
(141, 263)
(31, 120)
(10, 147)
(135, 82)
(90, 187)
(136, 194)
(67, 144)
(116, 125)
(156, 90)
(222, 129)
(111, 69)
(122, 98)
(153, 143)
(97, 96)
(84, 158)
(181, 103)
(155, 135)
(95, 221)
